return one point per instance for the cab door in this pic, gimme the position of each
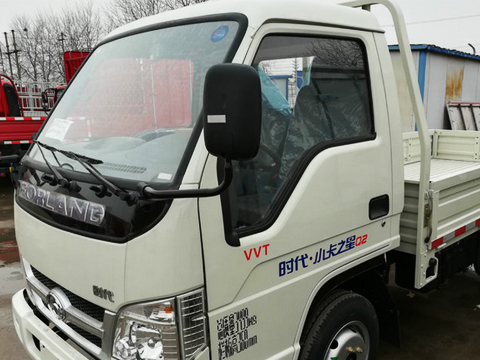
(316, 200)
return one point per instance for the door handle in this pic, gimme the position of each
(379, 206)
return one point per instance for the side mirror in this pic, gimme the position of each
(45, 100)
(232, 114)
(232, 111)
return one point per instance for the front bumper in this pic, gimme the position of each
(40, 341)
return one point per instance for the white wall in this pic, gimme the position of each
(447, 78)
(406, 109)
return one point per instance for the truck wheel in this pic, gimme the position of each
(343, 327)
(476, 263)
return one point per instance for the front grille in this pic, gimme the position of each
(86, 324)
(88, 308)
(85, 334)
(50, 284)
(82, 322)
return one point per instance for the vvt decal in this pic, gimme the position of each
(257, 251)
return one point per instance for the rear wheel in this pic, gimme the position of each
(343, 327)
(476, 264)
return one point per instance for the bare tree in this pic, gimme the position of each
(35, 42)
(166, 5)
(43, 38)
(331, 52)
(81, 26)
(78, 28)
(121, 12)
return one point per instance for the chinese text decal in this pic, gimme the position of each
(233, 336)
(303, 261)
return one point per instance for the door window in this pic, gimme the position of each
(315, 95)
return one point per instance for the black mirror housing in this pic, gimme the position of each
(45, 100)
(232, 111)
(45, 97)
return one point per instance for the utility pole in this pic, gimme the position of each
(1, 58)
(8, 54)
(28, 55)
(62, 40)
(16, 55)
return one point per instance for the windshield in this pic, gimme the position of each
(136, 100)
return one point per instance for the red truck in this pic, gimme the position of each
(72, 61)
(23, 106)
(16, 130)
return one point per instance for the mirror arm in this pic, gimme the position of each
(148, 192)
(11, 159)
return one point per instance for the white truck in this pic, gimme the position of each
(175, 205)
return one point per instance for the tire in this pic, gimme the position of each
(343, 327)
(476, 263)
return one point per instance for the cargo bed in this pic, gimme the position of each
(19, 130)
(453, 201)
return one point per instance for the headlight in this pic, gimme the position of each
(169, 329)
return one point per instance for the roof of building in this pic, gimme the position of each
(438, 49)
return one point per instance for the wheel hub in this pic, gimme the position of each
(350, 343)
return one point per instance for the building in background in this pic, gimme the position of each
(444, 76)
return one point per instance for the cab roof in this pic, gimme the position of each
(259, 12)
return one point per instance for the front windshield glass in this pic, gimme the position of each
(136, 100)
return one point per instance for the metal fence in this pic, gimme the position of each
(30, 94)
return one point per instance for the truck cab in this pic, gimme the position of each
(9, 100)
(127, 252)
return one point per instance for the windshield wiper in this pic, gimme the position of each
(131, 197)
(69, 154)
(57, 177)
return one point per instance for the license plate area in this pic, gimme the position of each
(46, 354)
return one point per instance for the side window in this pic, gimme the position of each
(12, 100)
(315, 94)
